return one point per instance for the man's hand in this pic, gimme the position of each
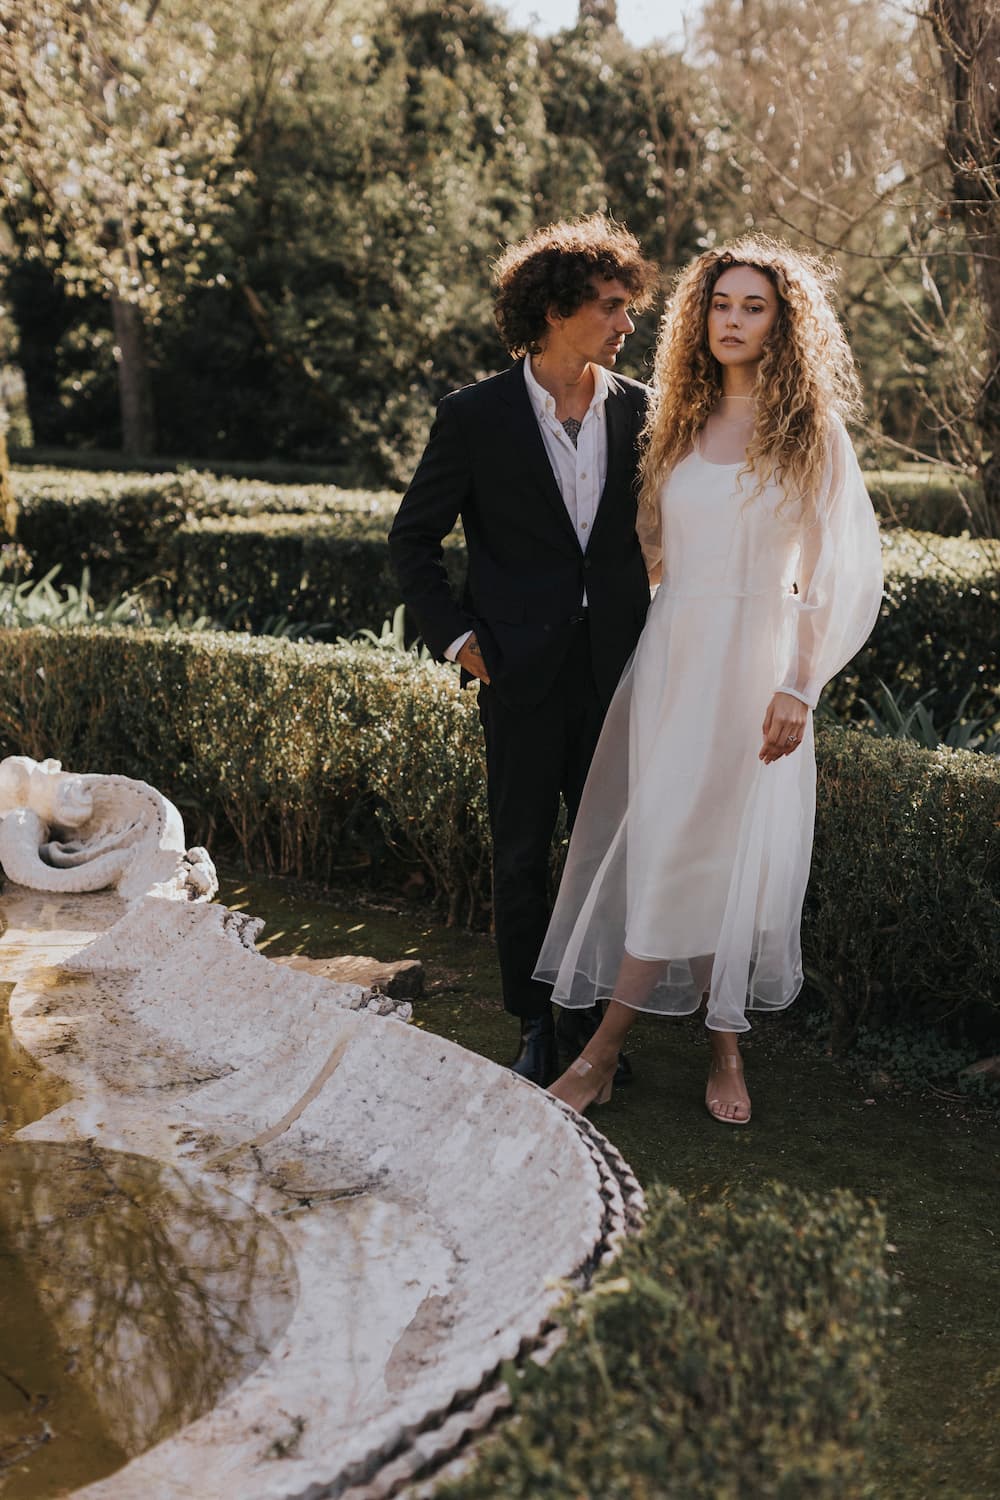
(471, 658)
(784, 726)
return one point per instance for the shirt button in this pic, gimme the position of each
(583, 475)
(583, 525)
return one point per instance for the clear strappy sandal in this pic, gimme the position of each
(581, 1067)
(714, 1105)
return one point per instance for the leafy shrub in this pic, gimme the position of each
(930, 499)
(117, 525)
(247, 552)
(902, 918)
(333, 568)
(896, 717)
(910, 1057)
(732, 1350)
(39, 601)
(938, 627)
(314, 757)
(107, 460)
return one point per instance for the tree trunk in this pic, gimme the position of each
(8, 505)
(968, 38)
(135, 391)
(41, 313)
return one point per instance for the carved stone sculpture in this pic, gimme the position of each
(69, 833)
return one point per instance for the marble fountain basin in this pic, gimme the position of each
(284, 1238)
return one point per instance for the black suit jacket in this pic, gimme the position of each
(486, 462)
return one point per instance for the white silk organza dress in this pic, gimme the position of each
(689, 858)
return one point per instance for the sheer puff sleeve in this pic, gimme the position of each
(649, 528)
(839, 576)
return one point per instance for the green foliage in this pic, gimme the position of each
(117, 525)
(911, 1057)
(392, 637)
(732, 1350)
(937, 627)
(133, 162)
(333, 568)
(40, 602)
(250, 551)
(902, 917)
(312, 758)
(107, 460)
(930, 499)
(316, 758)
(383, 155)
(896, 718)
(392, 162)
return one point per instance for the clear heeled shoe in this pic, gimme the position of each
(714, 1105)
(581, 1067)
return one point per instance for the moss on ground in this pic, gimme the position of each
(932, 1166)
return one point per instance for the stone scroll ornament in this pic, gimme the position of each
(70, 833)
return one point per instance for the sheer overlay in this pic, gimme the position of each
(689, 860)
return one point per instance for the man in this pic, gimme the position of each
(541, 464)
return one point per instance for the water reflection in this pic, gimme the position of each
(132, 1300)
(27, 1090)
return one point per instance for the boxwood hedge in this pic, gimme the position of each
(249, 552)
(731, 1351)
(930, 499)
(325, 761)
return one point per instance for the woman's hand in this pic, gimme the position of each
(784, 725)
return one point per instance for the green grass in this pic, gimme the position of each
(931, 1164)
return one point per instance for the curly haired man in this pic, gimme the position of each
(540, 462)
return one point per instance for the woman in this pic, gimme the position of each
(690, 854)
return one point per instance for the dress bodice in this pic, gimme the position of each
(720, 538)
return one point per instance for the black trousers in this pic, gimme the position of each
(534, 756)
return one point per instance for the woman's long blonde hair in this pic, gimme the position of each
(806, 376)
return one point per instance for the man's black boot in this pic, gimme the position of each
(536, 1059)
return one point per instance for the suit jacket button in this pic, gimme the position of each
(586, 562)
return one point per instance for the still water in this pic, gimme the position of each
(131, 1298)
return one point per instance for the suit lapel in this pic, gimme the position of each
(526, 439)
(620, 440)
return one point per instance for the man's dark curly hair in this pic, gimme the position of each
(555, 268)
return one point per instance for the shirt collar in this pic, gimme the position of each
(544, 404)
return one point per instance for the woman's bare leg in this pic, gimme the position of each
(581, 1085)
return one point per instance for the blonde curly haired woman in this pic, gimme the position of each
(690, 854)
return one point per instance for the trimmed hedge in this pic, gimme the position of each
(250, 552)
(112, 460)
(930, 499)
(731, 1351)
(939, 626)
(117, 525)
(333, 571)
(320, 759)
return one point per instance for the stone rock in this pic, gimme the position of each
(403, 980)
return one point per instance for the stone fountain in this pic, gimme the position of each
(287, 1239)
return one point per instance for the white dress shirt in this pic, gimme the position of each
(579, 471)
